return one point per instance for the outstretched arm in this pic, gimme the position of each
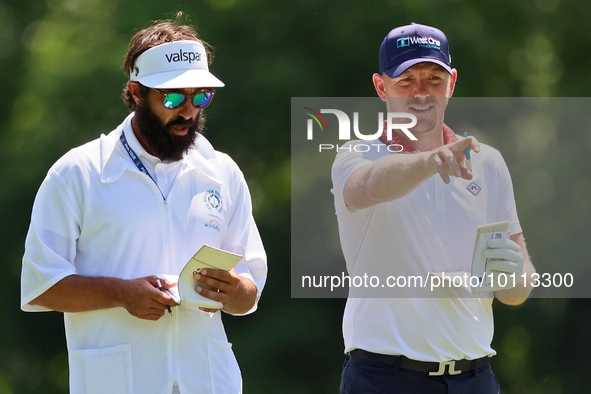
(395, 176)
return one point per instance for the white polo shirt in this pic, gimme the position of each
(432, 229)
(164, 173)
(96, 214)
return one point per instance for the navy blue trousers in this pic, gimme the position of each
(369, 377)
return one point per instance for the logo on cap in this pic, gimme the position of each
(183, 57)
(402, 42)
(137, 71)
(424, 42)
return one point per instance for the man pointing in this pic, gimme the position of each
(414, 212)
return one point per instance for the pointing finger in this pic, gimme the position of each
(441, 169)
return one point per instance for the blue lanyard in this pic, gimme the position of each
(137, 161)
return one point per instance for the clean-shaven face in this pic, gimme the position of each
(422, 90)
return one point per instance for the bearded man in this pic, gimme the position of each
(116, 216)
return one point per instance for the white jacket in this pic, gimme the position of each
(96, 214)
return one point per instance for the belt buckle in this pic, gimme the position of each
(451, 368)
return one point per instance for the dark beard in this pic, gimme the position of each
(166, 146)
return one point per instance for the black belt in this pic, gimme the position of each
(454, 367)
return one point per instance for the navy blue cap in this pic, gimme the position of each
(406, 46)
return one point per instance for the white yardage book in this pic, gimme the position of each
(207, 257)
(485, 232)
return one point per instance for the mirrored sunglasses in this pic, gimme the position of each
(200, 98)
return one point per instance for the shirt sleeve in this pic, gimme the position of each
(243, 237)
(346, 163)
(50, 246)
(506, 208)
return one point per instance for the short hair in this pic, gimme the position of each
(158, 33)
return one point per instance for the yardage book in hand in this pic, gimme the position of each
(485, 232)
(206, 257)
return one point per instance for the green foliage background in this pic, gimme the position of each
(61, 79)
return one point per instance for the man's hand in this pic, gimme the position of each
(511, 262)
(235, 292)
(142, 298)
(519, 294)
(450, 159)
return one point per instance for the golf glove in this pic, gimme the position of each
(510, 261)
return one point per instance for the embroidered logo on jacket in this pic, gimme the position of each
(214, 225)
(213, 200)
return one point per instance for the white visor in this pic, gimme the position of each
(174, 65)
